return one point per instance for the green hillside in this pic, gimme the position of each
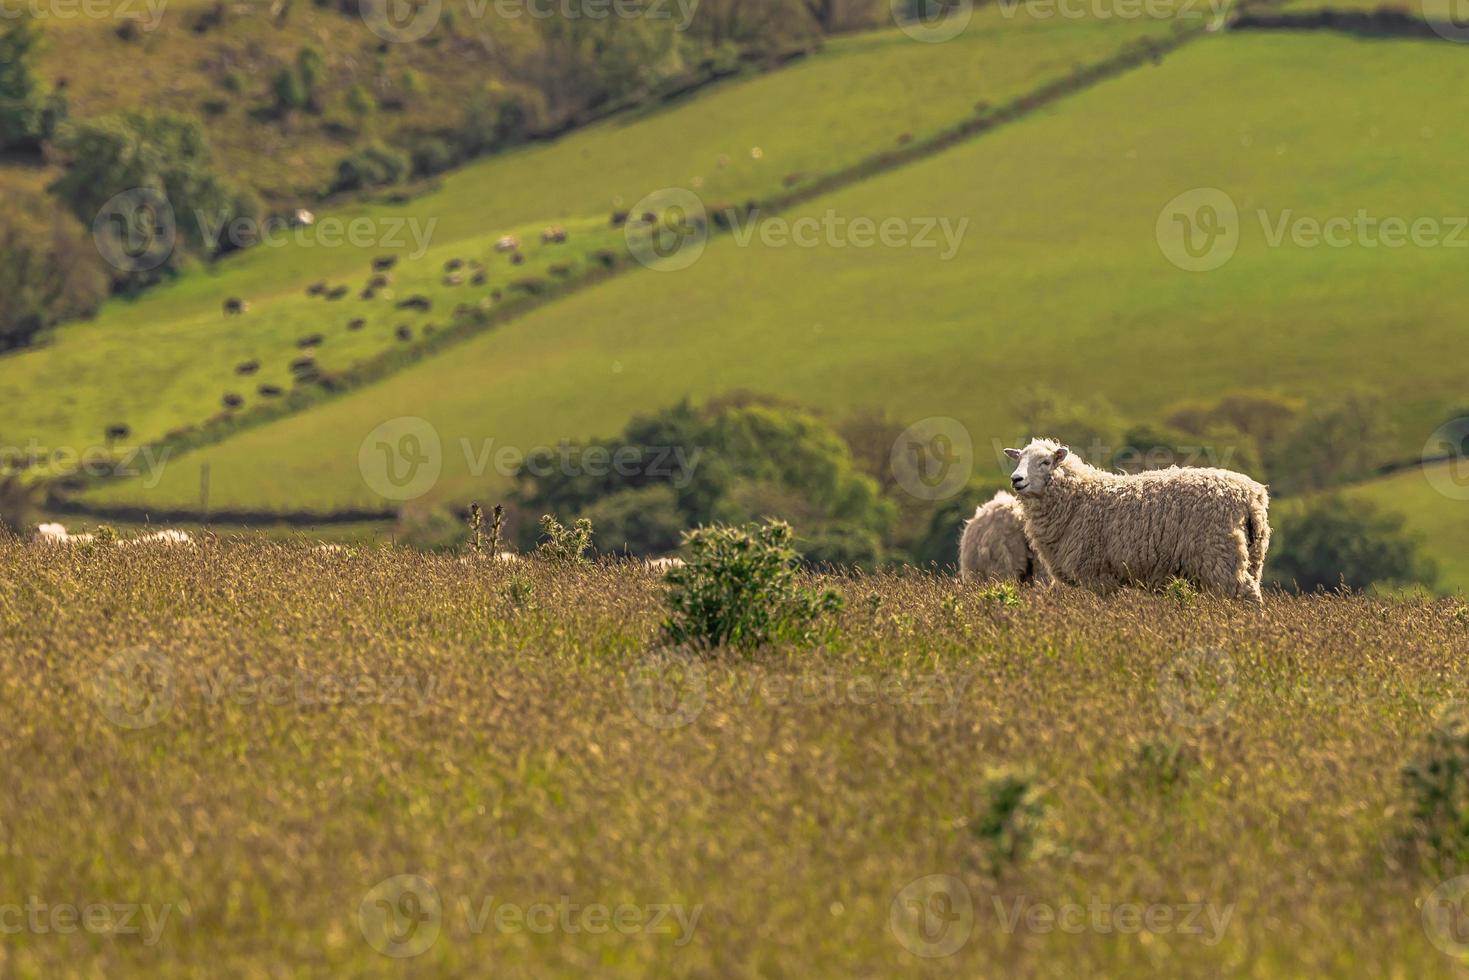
(1060, 285)
(166, 360)
(1441, 520)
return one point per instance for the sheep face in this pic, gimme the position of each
(1036, 464)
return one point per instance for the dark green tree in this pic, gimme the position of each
(1332, 541)
(23, 102)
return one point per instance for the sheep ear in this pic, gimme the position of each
(1061, 454)
(1013, 453)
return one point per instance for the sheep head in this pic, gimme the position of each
(1036, 464)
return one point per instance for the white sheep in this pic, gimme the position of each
(167, 536)
(1105, 530)
(993, 546)
(57, 534)
(663, 565)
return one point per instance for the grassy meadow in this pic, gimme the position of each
(254, 742)
(165, 360)
(1058, 284)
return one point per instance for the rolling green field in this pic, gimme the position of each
(1440, 520)
(1060, 284)
(164, 361)
(249, 747)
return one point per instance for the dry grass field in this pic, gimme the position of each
(221, 760)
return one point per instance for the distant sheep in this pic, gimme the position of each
(507, 243)
(57, 534)
(384, 262)
(316, 289)
(454, 279)
(234, 306)
(337, 293)
(992, 546)
(453, 265)
(311, 340)
(356, 324)
(421, 303)
(171, 537)
(247, 367)
(1103, 530)
(554, 235)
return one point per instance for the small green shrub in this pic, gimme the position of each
(372, 166)
(1005, 594)
(519, 591)
(740, 588)
(1162, 765)
(1181, 592)
(1011, 818)
(1436, 784)
(565, 545)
